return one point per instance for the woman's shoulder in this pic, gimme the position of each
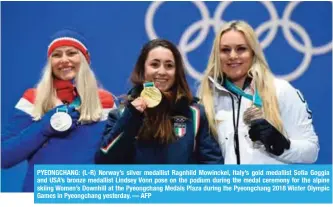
(196, 103)
(30, 95)
(26, 101)
(283, 84)
(106, 98)
(197, 108)
(283, 87)
(286, 93)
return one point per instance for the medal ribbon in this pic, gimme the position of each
(76, 103)
(148, 84)
(256, 99)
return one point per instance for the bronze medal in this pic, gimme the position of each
(250, 114)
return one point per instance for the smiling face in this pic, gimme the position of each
(236, 56)
(65, 62)
(160, 67)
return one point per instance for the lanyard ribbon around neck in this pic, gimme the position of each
(256, 99)
(76, 103)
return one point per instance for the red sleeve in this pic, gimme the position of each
(106, 98)
(30, 95)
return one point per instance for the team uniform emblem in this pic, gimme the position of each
(179, 126)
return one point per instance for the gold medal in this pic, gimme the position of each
(151, 94)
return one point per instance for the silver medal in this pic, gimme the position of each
(61, 121)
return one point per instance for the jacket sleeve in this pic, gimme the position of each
(297, 123)
(208, 149)
(21, 137)
(118, 138)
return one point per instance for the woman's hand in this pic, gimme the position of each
(274, 141)
(139, 104)
(48, 130)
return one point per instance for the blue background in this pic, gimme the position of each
(116, 32)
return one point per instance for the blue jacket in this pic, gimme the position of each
(22, 140)
(195, 144)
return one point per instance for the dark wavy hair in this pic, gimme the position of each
(160, 116)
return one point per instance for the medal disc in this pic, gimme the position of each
(61, 121)
(152, 95)
(252, 113)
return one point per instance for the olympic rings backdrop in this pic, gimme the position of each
(296, 37)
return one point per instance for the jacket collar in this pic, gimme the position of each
(219, 85)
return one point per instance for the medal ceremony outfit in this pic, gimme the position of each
(193, 143)
(56, 138)
(238, 140)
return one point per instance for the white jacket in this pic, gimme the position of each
(297, 123)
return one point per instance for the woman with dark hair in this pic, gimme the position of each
(160, 119)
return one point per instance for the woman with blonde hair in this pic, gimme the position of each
(257, 118)
(59, 121)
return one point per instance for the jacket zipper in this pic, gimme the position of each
(236, 122)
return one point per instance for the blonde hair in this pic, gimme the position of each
(87, 88)
(260, 72)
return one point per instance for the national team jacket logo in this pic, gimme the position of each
(179, 126)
